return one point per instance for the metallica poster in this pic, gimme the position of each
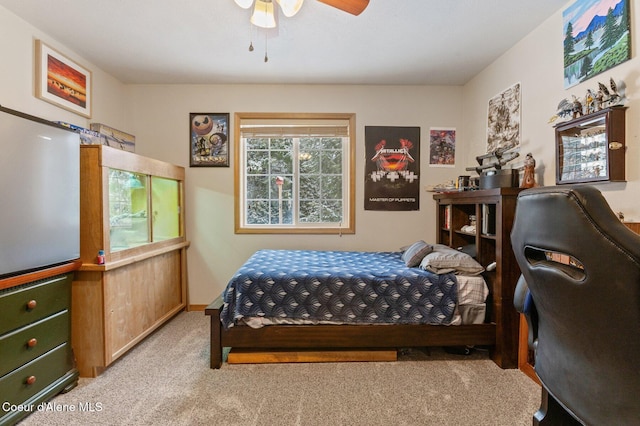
(392, 170)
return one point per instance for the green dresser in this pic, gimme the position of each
(36, 357)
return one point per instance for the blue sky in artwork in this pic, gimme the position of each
(582, 12)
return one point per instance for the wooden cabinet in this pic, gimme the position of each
(634, 226)
(35, 340)
(591, 148)
(493, 211)
(131, 209)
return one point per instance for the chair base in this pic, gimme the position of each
(552, 413)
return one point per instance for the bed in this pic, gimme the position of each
(422, 295)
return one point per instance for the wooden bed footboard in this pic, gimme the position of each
(345, 336)
(215, 341)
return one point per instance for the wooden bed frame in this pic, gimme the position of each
(353, 336)
(500, 332)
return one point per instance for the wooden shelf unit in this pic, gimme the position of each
(495, 211)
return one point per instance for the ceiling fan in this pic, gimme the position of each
(354, 7)
(291, 7)
(264, 13)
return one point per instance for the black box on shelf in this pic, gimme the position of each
(503, 178)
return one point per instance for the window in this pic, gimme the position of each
(294, 173)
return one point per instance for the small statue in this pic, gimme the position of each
(529, 178)
(577, 107)
(614, 97)
(599, 100)
(589, 101)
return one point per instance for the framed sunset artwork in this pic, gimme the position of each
(61, 81)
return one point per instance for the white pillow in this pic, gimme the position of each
(444, 259)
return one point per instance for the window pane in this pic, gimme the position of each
(309, 211)
(332, 211)
(309, 186)
(287, 187)
(258, 212)
(332, 187)
(309, 161)
(287, 212)
(294, 172)
(257, 187)
(332, 143)
(283, 143)
(258, 143)
(281, 162)
(257, 162)
(331, 162)
(310, 143)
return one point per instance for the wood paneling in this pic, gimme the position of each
(115, 309)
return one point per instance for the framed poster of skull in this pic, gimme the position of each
(209, 139)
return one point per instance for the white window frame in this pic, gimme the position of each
(347, 226)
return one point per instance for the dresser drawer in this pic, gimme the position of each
(44, 370)
(22, 305)
(27, 343)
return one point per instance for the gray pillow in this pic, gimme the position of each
(414, 254)
(443, 260)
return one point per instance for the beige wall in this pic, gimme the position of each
(158, 116)
(536, 62)
(17, 91)
(161, 114)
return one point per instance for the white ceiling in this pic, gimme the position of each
(433, 42)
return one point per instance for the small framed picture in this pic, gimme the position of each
(209, 139)
(61, 81)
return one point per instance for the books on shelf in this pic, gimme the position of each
(447, 217)
(489, 219)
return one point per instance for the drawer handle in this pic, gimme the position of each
(32, 342)
(31, 304)
(31, 380)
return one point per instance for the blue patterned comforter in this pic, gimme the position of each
(338, 286)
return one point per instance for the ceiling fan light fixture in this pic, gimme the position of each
(290, 7)
(263, 14)
(245, 4)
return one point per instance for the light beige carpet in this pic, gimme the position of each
(166, 380)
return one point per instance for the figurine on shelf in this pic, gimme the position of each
(529, 178)
(589, 100)
(594, 101)
(599, 102)
(614, 96)
(577, 107)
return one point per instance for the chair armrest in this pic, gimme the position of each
(520, 295)
(523, 302)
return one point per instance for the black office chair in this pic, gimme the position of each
(580, 292)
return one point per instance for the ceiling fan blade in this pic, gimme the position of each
(354, 7)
